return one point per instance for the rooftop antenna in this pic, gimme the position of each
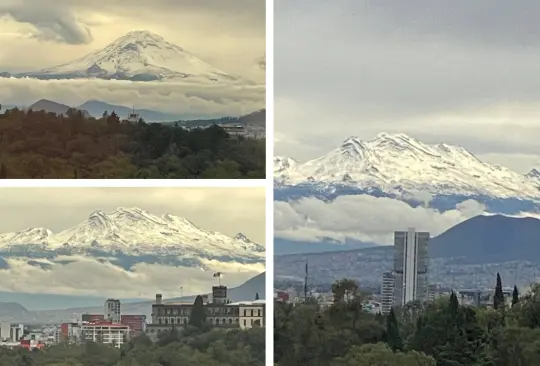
(305, 283)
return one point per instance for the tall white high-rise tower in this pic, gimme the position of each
(410, 266)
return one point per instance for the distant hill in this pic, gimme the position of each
(96, 109)
(15, 312)
(254, 119)
(53, 107)
(485, 239)
(481, 239)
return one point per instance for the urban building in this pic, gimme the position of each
(92, 318)
(136, 324)
(11, 332)
(69, 333)
(234, 130)
(220, 312)
(105, 333)
(410, 266)
(387, 292)
(112, 310)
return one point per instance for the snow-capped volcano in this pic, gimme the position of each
(136, 230)
(137, 56)
(397, 163)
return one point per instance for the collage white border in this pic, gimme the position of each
(269, 351)
(267, 183)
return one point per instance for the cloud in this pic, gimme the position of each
(364, 218)
(88, 277)
(462, 72)
(42, 33)
(58, 24)
(183, 98)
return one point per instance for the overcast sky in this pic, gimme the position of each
(462, 72)
(37, 34)
(226, 210)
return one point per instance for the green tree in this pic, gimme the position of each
(380, 355)
(392, 332)
(256, 296)
(498, 298)
(515, 296)
(198, 313)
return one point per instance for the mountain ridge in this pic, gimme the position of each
(398, 163)
(138, 231)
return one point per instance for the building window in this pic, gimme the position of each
(259, 312)
(217, 321)
(245, 322)
(245, 312)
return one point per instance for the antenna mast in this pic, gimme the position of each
(305, 283)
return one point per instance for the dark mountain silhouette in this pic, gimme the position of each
(53, 107)
(485, 239)
(96, 109)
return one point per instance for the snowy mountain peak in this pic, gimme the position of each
(242, 237)
(137, 56)
(138, 231)
(533, 174)
(398, 163)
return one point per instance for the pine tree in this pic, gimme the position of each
(256, 296)
(198, 313)
(498, 298)
(515, 296)
(453, 306)
(392, 332)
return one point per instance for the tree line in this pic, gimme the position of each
(442, 332)
(37, 144)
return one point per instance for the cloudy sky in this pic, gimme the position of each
(462, 72)
(36, 34)
(226, 210)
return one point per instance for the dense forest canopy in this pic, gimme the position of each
(442, 333)
(189, 346)
(46, 145)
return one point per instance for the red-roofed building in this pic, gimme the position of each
(136, 323)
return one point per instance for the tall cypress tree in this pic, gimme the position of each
(453, 306)
(197, 317)
(515, 296)
(498, 298)
(392, 332)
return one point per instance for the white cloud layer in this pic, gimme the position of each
(364, 218)
(182, 98)
(88, 277)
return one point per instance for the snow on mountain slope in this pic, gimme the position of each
(397, 162)
(136, 230)
(137, 56)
